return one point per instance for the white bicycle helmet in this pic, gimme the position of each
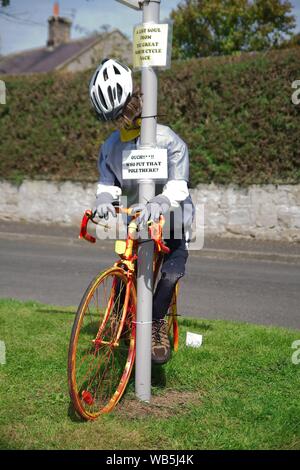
(110, 88)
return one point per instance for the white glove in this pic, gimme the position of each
(157, 206)
(104, 205)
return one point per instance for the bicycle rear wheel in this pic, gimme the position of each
(102, 344)
(173, 329)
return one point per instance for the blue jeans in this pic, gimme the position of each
(172, 269)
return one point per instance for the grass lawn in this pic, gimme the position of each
(240, 390)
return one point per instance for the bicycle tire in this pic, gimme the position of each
(173, 329)
(102, 344)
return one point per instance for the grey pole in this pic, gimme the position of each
(145, 252)
(151, 10)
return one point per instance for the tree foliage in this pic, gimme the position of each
(4, 3)
(218, 27)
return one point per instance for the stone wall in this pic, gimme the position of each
(265, 212)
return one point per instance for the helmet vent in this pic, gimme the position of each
(110, 95)
(117, 71)
(105, 75)
(119, 92)
(102, 97)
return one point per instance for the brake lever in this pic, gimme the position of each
(83, 229)
(155, 230)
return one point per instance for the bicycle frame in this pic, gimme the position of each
(127, 249)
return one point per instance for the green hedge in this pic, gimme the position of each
(235, 114)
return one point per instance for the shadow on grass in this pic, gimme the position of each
(158, 378)
(73, 416)
(195, 323)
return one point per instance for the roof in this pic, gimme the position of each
(44, 59)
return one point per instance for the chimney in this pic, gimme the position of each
(59, 28)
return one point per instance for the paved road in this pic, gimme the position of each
(236, 280)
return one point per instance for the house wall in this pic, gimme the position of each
(113, 45)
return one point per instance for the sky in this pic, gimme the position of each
(30, 29)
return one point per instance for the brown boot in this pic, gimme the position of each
(161, 350)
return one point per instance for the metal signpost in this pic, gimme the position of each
(147, 54)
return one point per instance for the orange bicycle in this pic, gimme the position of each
(102, 344)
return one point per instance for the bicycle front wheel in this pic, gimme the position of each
(102, 344)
